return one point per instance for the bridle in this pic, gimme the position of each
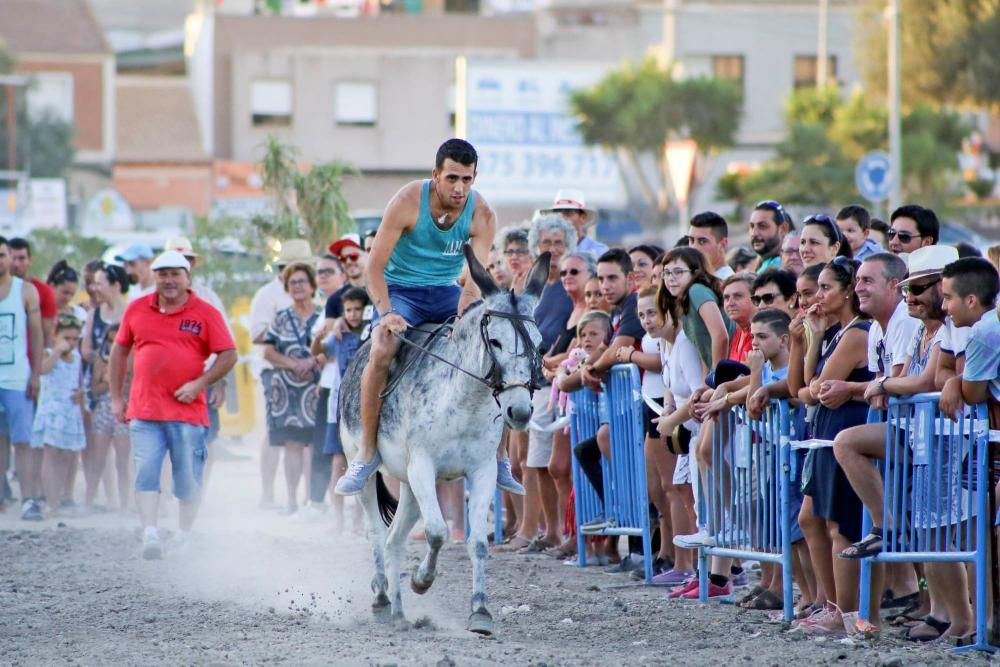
(494, 376)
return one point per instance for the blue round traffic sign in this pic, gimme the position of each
(873, 176)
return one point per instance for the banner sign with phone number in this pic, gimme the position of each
(518, 118)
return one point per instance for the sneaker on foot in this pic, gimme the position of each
(826, 621)
(505, 478)
(31, 510)
(599, 523)
(660, 565)
(180, 544)
(741, 578)
(353, 481)
(674, 577)
(310, 513)
(151, 547)
(695, 540)
(627, 565)
(713, 591)
(681, 591)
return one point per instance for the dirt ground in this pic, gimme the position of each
(257, 588)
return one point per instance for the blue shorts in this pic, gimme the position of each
(20, 415)
(418, 305)
(152, 440)
(331, 443)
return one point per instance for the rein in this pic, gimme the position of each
(494, 380)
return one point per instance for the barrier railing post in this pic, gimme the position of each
(583, 424)
(747, 495)
(928, 511)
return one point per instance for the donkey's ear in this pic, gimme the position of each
(538, 276)
(480, 276)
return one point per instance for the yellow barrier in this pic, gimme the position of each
(238, 415)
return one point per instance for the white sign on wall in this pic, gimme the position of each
(516, 114)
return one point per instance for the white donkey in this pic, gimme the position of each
(443, 422)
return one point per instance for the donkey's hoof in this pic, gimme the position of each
(380, 602)
(420, 586)
(481, 622)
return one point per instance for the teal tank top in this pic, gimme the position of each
(428, 256)
(14, 367)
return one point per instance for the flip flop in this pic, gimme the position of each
(766, 601)
(536, 546)
(937, 627)
(871, 545)
(754, 592)
(517, 542)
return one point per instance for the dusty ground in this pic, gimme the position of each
(259, 589)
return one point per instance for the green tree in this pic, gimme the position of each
(638, 108)
(826, 135)
(308, 204)
(948, 50)
(48, 246)
(234, 255)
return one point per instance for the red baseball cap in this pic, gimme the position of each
(345, 241)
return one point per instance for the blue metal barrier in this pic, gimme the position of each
(746, 498)
(935, 482)
(626, 503)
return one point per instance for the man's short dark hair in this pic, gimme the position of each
(776, 320)
(17, 243)
(714, 221)
(974, 275)
(617, 256)
(356, 295)
(4, 241)
(926, 219)
(458, 150)
(878, 225)
(782, 279)
(858, 212)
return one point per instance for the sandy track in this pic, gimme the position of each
(257, 589)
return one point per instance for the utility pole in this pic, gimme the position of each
(895, 140)
(666, 54)
(822, 68)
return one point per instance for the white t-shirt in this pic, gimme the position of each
(954, 339)
(682, 372)
(897, 347)
(652, 383)
(265, 304)
(724, 272)
(137, 290)
(329, 377)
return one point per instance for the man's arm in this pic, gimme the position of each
(36, 336)
(400, 215)
(189, 391)
(481, 234)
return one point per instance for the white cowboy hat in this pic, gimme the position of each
(929, 260)
(295, 250)
(571, 200)
(182, 245)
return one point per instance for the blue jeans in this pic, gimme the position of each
(418, 305)
(186, 443)
(20, 415)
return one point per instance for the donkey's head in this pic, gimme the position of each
(510, 337)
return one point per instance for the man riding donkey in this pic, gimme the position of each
(415, 261)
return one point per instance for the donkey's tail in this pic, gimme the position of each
(387, 503)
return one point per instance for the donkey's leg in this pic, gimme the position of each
(423, 483)
(482, 484)
(407, 514)
(376, 537)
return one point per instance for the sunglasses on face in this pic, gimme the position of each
(569, 272)
(766, 299)
(326, 272)
(917, 290)
(904, 237)
(351, 257)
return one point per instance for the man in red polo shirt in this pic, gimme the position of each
(172, 333)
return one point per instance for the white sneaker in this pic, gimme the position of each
(695, 540)
(309, 514)
(180, 543)
(151, 547)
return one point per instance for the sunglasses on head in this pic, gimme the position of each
(569, 272)
(766, 299)
(917, 290)
(904, 237)
(845, 263)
